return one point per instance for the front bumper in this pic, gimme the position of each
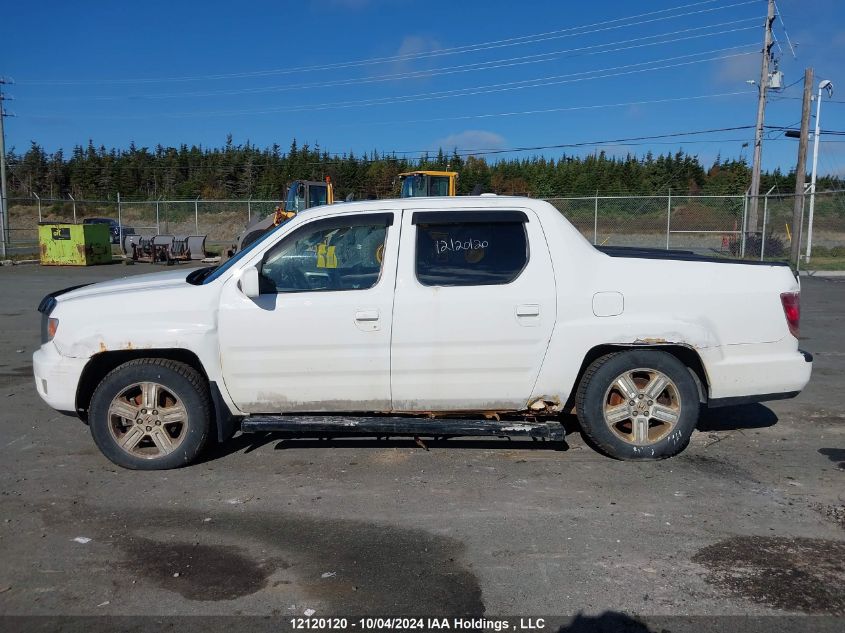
(57, 377)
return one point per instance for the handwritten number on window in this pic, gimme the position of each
(454, 246)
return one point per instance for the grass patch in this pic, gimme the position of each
(17, 257)
(824, 263)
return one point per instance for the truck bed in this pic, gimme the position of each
(638, 252)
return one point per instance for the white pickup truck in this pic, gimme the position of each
(427, 317)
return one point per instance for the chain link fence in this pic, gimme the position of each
(712, 225)
(220, 220)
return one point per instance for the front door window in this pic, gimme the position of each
(327, 255)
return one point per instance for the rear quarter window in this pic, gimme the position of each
(470, 253)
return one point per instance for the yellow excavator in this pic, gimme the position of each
(424, 183)
(302, 194)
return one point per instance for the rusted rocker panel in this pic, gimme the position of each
(369, 425)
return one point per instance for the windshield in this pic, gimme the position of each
(439, 186)
(317, 195)
(296, 197)
(222, 268)
(422, 185)
(414, 187)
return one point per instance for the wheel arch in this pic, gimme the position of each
(684, 353)
(99, 365)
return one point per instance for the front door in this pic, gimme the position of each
(474, 311)
(317, 339)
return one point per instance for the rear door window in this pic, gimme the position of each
(470, 248)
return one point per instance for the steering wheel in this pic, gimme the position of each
(287, 277)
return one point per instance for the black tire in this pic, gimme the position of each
(176, 378)
(599, 378)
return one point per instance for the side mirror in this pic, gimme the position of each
(249, 282)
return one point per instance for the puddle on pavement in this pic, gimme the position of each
(349, 566)
(793, 574)
(197, 572)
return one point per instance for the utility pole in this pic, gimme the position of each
(801, 169)
(4, 218)
(763, 86)
(823, 85)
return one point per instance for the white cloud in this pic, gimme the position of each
(413, 45)
(738, 70)
(471, 140)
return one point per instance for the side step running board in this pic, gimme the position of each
(385, 426)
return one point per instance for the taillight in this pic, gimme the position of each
(792, 310)
(52, 327)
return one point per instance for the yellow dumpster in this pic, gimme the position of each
(63, 244)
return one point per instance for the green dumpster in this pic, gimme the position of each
(64, 244)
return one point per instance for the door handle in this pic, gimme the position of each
(367, 315)
(528, 310)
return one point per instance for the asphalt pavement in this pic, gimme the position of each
(749, 520)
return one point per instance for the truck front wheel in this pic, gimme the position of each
(638, 404)
(151, 414)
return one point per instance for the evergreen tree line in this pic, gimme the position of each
(244, 171)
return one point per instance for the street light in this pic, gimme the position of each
(823, 85)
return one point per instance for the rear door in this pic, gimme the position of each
(318, 337)
(474, 310)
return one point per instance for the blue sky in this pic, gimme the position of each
(395, 75)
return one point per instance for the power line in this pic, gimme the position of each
(785, 32)
(779, 128)
(516, 85)
(470, 48)
(613, 141)
(390, 156)
(799, 98)
(564, 109)
(447, 70)
(425, 153)
(789, 127)
(797, 81)
(447, 94)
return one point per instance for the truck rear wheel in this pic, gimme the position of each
(638, 404)
(151, 414)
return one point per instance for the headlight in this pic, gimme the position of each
(52, 326)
